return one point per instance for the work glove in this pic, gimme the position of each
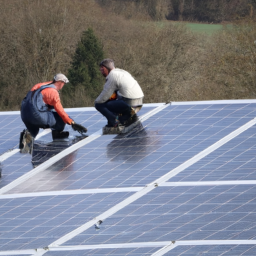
(113, 96)
(78, 127)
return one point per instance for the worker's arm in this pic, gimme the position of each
(59, 109)
(109, 88)
(52, 98)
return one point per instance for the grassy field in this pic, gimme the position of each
(208, 29)
(204, 28)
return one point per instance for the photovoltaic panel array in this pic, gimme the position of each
(180, 183)
(19, 164)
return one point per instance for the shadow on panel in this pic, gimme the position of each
(42, 151)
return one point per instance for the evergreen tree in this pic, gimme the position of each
(84, 69)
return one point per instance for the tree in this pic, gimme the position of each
(35, 44)
(84, 69)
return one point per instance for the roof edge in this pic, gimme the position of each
(212, 102)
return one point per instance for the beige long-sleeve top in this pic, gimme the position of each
(123, 83)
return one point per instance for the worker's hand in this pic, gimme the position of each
(78, 127)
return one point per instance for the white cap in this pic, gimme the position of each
(61, 77)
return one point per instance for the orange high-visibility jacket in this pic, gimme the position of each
(52, 98)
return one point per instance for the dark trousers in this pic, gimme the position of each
(33, 128)
(112, 108)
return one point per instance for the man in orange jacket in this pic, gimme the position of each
(37, 108)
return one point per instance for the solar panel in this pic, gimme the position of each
(11, 126)
(234, 161)
(181, 183)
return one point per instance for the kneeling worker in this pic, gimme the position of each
(120, 96)
(37, 108)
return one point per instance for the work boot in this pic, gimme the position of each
(59, 134)
(21, 145)
(124, 119)
(26, 142)
(131, 120)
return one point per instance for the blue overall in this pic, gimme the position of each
(36, 114)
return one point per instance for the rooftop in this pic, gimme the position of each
(182, 182)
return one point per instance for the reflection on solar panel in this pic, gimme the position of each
(43, 151)
(181, 183)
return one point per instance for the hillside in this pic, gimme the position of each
(169, 60)
(209, 11)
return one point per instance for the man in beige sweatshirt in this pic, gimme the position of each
(120, 95)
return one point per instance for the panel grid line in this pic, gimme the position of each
(174, 244)
(208, 183)
(166, 246)
(72, 192)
